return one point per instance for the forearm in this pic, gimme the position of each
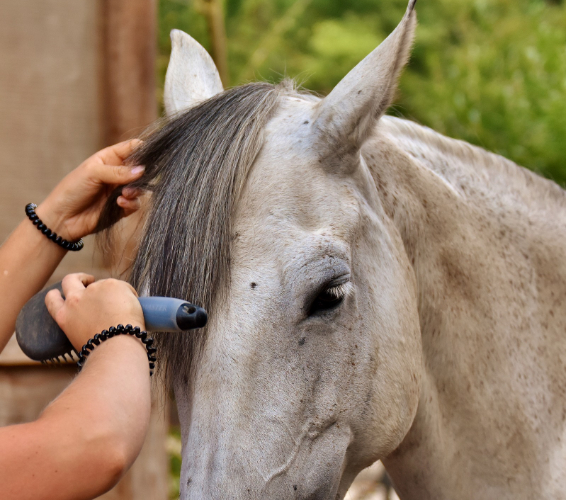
(27, 260)
(90, 435)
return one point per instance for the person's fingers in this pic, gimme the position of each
(76, 282)
(133, 290)
(54, 302)
(112, 282)
(113, 174)
(115, 155)
(134, 203)
(131, 193)
(129, 206)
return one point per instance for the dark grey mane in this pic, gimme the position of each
(196, 164)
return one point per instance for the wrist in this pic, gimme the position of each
(119, 331)
(83, 337)
(53, 220)
(129, 343)
(50, 233)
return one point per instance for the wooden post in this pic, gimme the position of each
(129, 101)
(129, 51)
(217, 32)
(130, 105)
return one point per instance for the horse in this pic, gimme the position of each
(376, 291)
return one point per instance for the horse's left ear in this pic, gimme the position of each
(348, 114)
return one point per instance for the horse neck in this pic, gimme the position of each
(491, 278)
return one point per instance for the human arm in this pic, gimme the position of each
(28, 258)
(90, 435)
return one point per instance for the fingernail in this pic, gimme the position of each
(137, 170)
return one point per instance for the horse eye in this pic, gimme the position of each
(329, 298)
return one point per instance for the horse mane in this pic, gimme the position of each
(196, 164)
(486, 170)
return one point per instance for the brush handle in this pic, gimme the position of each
(41, 339)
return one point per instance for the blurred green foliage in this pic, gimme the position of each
(174, 448)
(491, 72)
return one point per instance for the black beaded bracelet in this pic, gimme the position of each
(73, 246)
(119, 330)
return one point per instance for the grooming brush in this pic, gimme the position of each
(41, 339)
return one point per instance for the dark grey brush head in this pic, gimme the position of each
(195, 165)
(38, 335)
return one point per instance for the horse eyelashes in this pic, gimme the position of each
(330, 298)
(340, 291)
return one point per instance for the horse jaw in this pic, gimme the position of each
(191, 76)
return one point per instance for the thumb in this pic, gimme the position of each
(117, 174)
(54, 302)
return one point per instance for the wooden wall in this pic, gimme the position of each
(75, 76)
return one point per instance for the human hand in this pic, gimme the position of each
(90, 307)
(72, 209)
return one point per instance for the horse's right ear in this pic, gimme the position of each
(347, 116)
(191, 77)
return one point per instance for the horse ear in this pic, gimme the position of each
(348, 114)
(191, 77)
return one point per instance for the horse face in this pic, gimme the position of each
(310, 368)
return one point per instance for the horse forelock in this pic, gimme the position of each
(196, 165)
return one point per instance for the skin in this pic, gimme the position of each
(445, 356)
(28, 258)
(83, 430)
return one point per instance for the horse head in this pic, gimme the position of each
(265, 212)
